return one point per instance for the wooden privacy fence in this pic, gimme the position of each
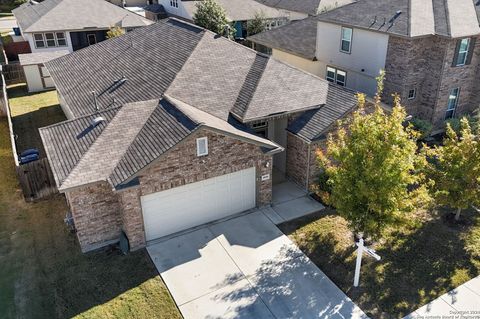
(13, 73)
(36, 179)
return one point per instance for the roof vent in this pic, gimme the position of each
(96, 121)
(121, 81)
(32, 2)
(397, 14)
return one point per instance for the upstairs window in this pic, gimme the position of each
(174, 3)
(38, 39)
(462, 52)
(202, 146)
(336, 76)
(61, 40)
(452, 103)
(412, 94)
(346, 43)
(50, 38)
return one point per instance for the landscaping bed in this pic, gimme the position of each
(420, 261)
(30, 111)
(43, 273)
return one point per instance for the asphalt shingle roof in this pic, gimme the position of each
(57, 15)
(313, 124)
(298, 37)
(410, 18)
(191, 72)
(310, 7)
(66, 142)
(149, 58)
(40, 57)
(239, 10)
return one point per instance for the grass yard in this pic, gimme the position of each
(30, 111)
(420, 261)
(43, 274)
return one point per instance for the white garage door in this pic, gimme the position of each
(194, 204)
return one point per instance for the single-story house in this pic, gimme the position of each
(166, 133)
(36, 74)
(53, 25)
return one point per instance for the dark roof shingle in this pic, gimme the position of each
(298, 37)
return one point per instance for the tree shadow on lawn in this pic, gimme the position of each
(418, 264)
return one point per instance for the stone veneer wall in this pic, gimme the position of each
(426, 64)
(96, 212)
(100, 213)
(299, 163)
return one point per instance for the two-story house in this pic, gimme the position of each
(427, 47)
(71, 25)
(53, 28)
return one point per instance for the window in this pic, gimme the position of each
(346, 43)
(202, 146)
(38, 38)
(174, 3)
(91, 39)
(462, 53)
(61, 40)
(50, 38)
(336, 76)
(260, 128)
(452, 103)
(412, 94)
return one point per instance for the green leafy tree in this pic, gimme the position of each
(257, 24)
(455, 168)
(210, 15)
(115, 32)
(374, 168)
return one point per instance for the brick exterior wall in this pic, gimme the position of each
(426, 64)
(96, 212)
(301, 160)
(100, 213)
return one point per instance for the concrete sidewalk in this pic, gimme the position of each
(464, 300)
(246, 267)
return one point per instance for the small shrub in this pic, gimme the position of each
(423, 127)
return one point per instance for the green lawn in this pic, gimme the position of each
(419, 262)
(43, 274)
(30, 111)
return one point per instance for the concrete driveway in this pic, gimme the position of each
(246, 268)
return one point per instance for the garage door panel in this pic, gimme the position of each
(194, 204)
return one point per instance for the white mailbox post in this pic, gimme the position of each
(361, 249)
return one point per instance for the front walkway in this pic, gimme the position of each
(289, 201)
(463, 300)
(246, 267)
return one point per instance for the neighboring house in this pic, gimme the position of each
(36, 74)
(428, 48)
(166, 133)
(239, 12)
(71, 25)
(300, 9)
